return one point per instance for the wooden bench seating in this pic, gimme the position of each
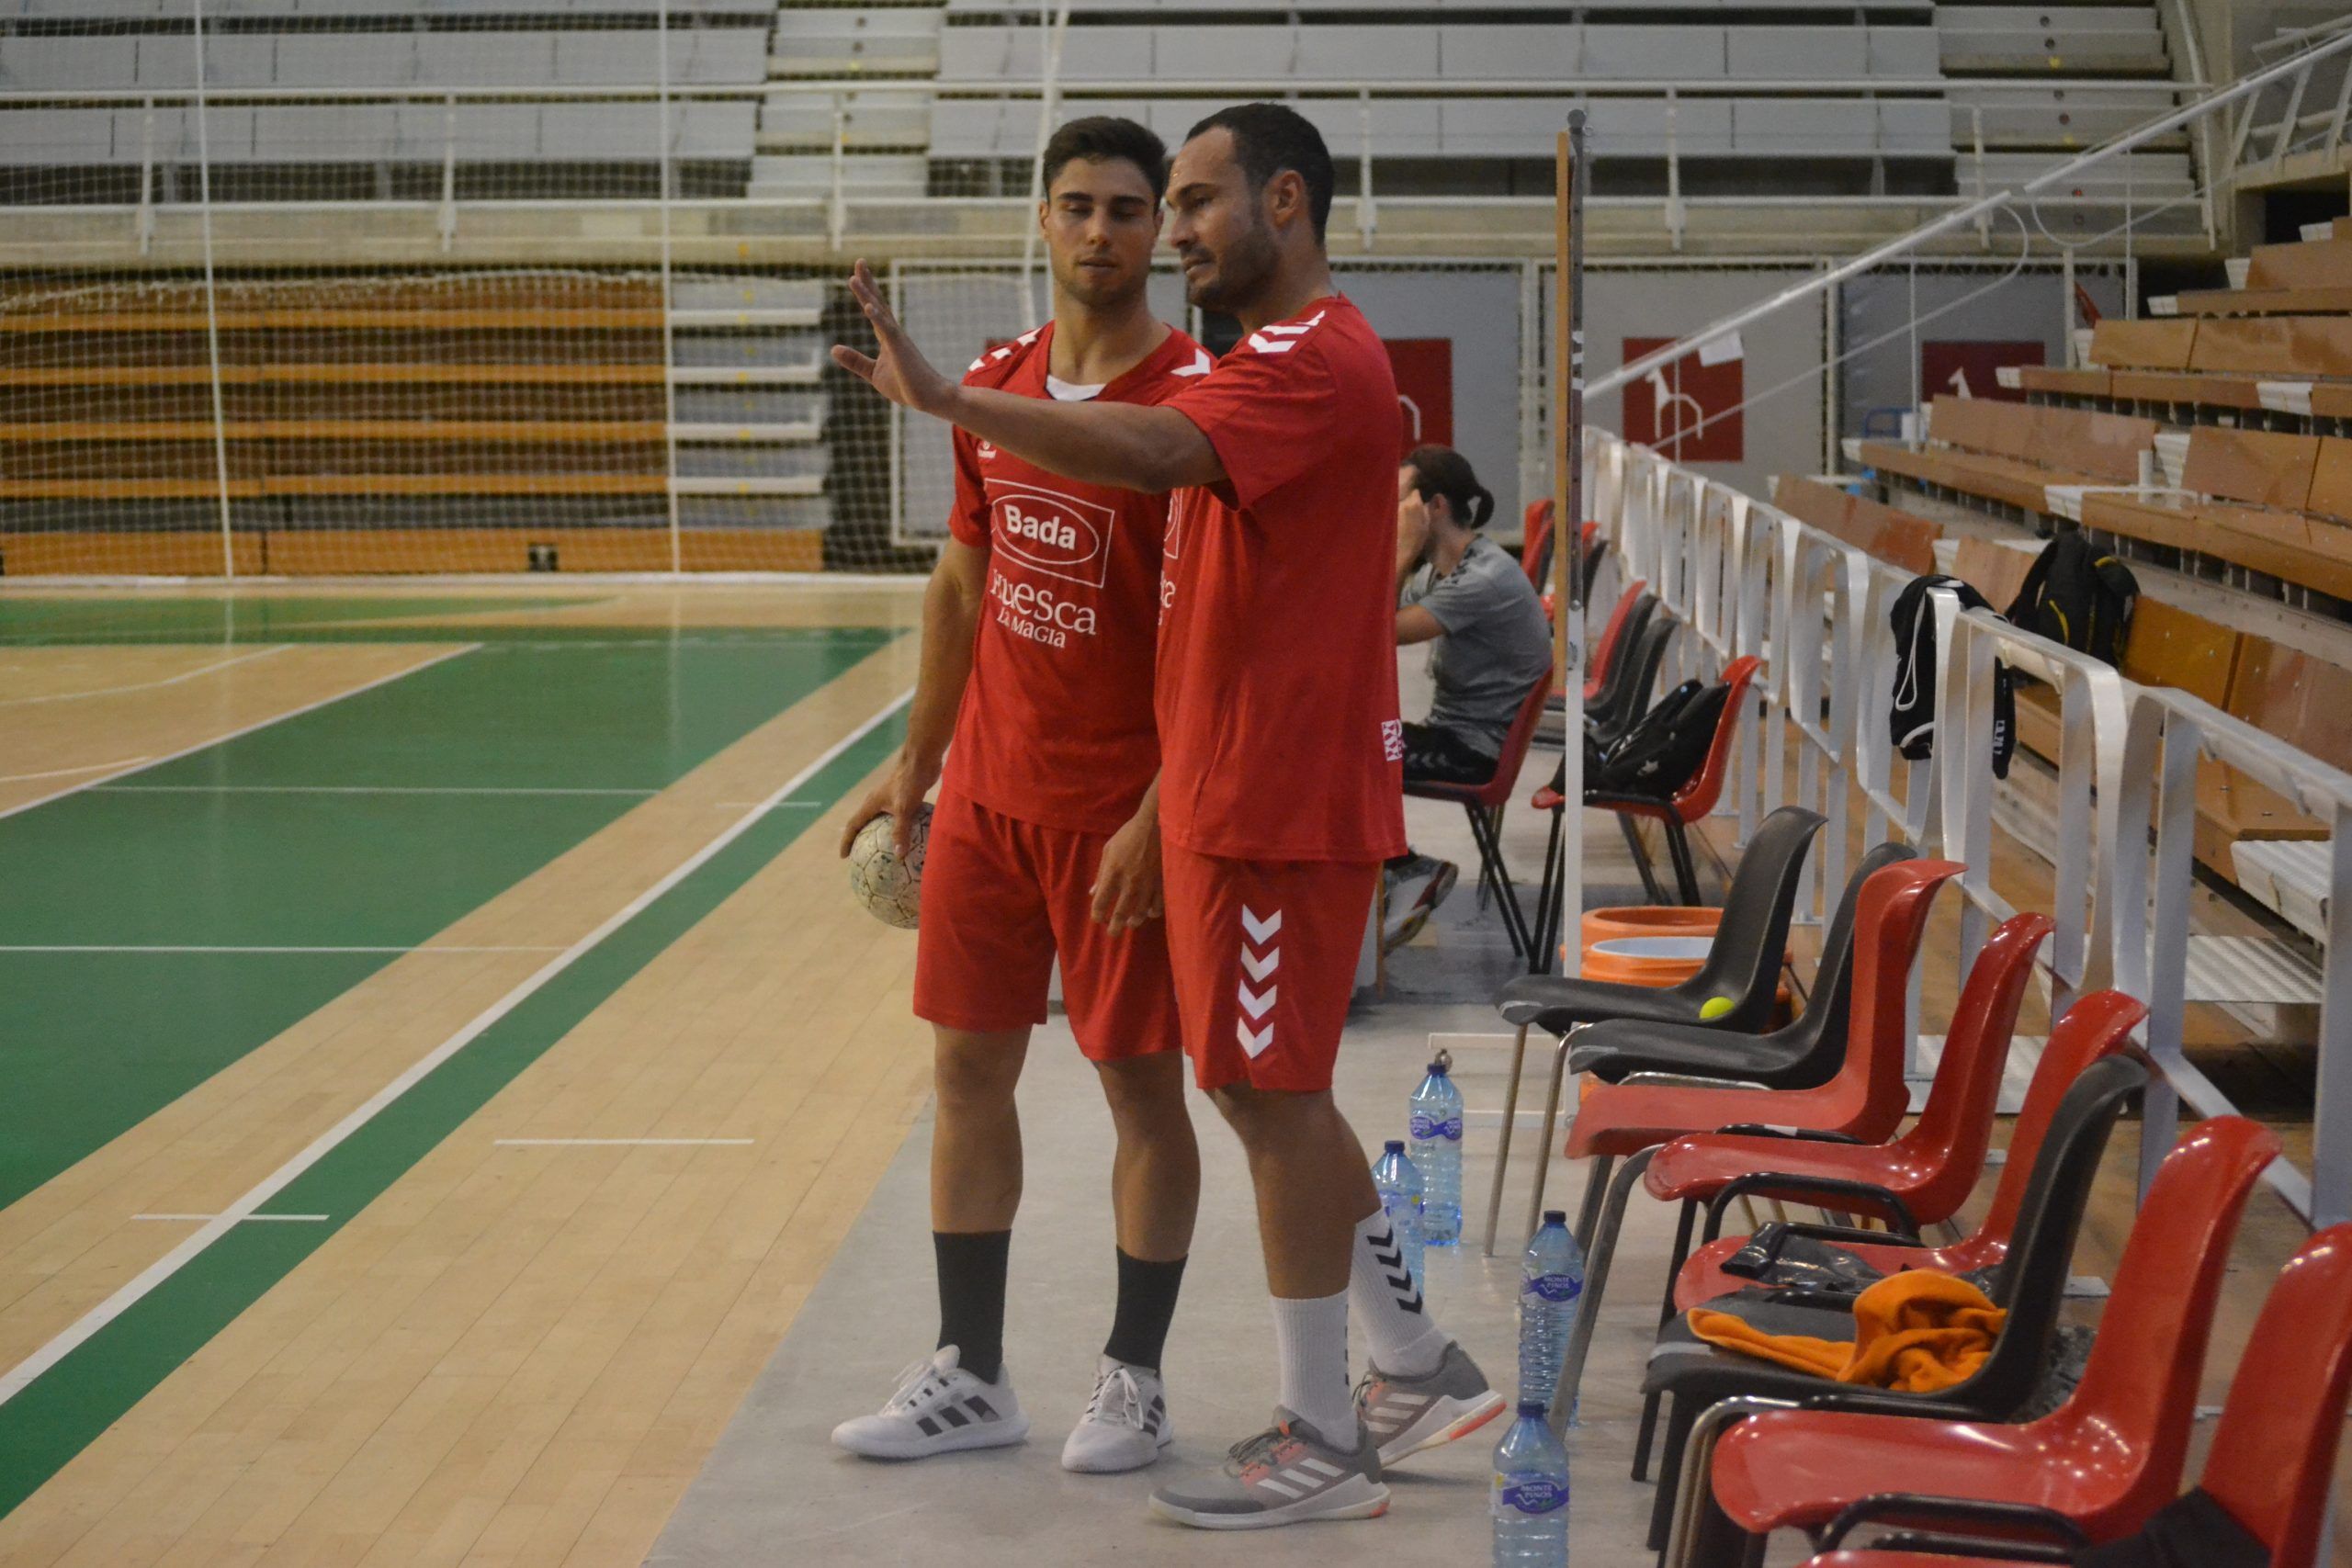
(546, 391)
(2012, 451)
(1886, 534)
(2283, 693)
(2280, 505)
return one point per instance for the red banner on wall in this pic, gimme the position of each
(1675, 409)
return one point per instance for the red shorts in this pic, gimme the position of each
(1265, 955)
(1001, 898)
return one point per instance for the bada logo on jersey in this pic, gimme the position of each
(1054, 533)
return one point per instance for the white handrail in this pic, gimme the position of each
(2058, 173)
(2128, 754)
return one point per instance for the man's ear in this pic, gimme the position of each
(1285, 197)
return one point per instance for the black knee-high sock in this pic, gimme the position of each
(971, 1297)
(1147, 1303)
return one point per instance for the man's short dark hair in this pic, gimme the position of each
(1270, 138)
(1099, 138)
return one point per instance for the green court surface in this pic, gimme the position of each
(369, 823)
(241, 845)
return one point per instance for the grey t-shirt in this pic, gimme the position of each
(1497, 642)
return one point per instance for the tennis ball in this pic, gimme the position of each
(1713, 1008)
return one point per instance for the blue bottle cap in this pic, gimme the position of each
(1395, 1145)
(1536, 1408)
(1440, 1068)
(1555, 1216)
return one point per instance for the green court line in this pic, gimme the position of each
(61, 1413)
(92, 1044)
(234, 618)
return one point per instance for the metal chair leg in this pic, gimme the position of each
(1686, 871)
(1495, 877)
(1650, 886)
(1596, 1281)
(1502, 1145)
(1551, 1119)
(1596, 1188)
(1649, 1427)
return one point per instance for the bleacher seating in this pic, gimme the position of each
(2012, 454)
(447, 423)
(1887, 534)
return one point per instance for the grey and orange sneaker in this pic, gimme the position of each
(1405, 1415)
(1287, 1474)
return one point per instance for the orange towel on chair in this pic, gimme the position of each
(1918, 1332)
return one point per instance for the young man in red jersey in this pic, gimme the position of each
(1280, 786)
(1039, 638)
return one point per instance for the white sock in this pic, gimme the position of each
(1311, 1342)
(1397, 1332)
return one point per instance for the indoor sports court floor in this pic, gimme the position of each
(456, 1114)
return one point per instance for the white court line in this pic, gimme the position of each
(25, 1372)
(362, 789)
(147, 685)
(619, 1143)
(779, 806)
(249, 1219)
(69, 772)
(144, 764)
(200, 947)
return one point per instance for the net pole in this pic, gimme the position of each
(669, 344)
(1567, 531)
(212, 301)
(1056, 27)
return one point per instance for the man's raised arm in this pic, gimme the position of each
(1148, 449)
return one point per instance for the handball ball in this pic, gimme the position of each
(890, 888)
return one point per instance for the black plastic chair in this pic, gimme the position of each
(2029, 1283)
(1631, 686)
(1742, 970)
(1805, 1054)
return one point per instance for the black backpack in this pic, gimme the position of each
(1912, 715)
(2075, 596)
(1665, 745)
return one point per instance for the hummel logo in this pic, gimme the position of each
(1260, 929)
(1253, 1042)
(988, 452)
(1201, 366)
(1259, 968)
(1255, 1005)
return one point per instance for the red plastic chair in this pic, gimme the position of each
(2107, 1459)
(1484, 803)
(2274, 1452)
(1612, 639)
(1866, 1100)
(1695, 798)
(1535, 544)
(2095, 1027)
(1920, 1178)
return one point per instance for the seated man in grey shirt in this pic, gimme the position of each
(1494, 642)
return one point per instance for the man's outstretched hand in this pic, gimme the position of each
(899, 372)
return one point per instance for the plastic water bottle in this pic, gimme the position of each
(1402, 1198)
(1436, 1149)
(1530, 1501)
(1551, 1279)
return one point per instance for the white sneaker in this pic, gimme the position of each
(1125, 1424)
(939, 1408)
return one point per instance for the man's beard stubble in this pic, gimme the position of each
(1241, 274)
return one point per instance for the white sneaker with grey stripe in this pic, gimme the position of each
(1125, 1424)
(939, 1408)
(1287, 1474)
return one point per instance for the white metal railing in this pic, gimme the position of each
(841, 207)
(2127, 758)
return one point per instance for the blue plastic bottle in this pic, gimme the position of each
(1436, 1149)
(1530, 1501)
(1402, 1197)
(1551, 1279)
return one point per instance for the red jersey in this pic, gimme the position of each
(1056, 726)
(1277, 694)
